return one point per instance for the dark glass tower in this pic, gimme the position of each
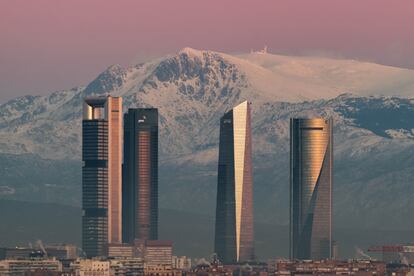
(140, 175)
(101, 174)
(311, 188)
(234, 237)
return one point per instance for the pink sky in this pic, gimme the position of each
(47, 45)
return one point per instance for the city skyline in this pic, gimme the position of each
(99, 113)
(190, 138)
(136, 199)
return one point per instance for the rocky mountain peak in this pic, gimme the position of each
(108, 81)
(198, 75)
(191, 52)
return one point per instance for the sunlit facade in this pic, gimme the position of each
(234, 236)
(101, 174)
(140, 169)
(311, 188)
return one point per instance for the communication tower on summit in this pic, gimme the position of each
(263, 51)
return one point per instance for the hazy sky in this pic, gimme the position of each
(47, 45)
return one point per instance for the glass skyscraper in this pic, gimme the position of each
(234, 236)
(101, 174)
(140, 175)
(311, 188)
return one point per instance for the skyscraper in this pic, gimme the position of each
(234, 237)
(140, 173)
(101, 174)
(311, 188)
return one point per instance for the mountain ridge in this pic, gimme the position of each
(373, 133)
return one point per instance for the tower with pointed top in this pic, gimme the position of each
(311, 188)
(234, 235)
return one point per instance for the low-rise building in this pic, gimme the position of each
(154, 252)
(181, 262)
(127, 266)
(66, 251)
(158, 253)
(25, 266)
(93, 268)
(121, 251)
(327, 267)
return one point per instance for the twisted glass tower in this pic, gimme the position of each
(311, 188)
(234, 237)
(140, 172)
(101, 174)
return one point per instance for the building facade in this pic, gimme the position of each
(56, 251)
(140, 175)
(28, 266)
(181, 262)
(158, 253)
(101, 174)
(311, 188)
(331, 267)
(234, 237)
(94, 268)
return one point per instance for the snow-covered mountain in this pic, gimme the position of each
(191, 88)
(374, 138)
